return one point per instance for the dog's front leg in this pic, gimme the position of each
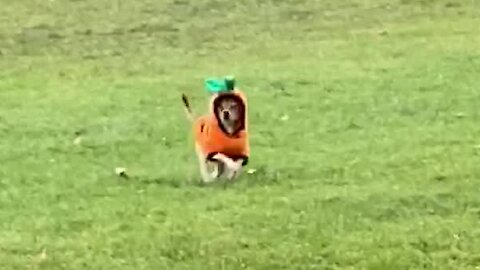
(230, 163)
(233, 168)
(218, 169)
(235, 171)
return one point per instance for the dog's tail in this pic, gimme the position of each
(188, 109)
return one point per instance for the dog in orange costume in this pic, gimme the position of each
(221, 137)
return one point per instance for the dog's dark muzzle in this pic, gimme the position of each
(226, 115)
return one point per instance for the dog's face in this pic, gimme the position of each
(229, 112)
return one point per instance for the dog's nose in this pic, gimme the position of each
(226, 115)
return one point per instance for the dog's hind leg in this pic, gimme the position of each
(202, 162)
(206, 177)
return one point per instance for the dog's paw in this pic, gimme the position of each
(234, 166)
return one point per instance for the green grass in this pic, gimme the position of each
(376, 167)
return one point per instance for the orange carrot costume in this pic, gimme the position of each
(212, 139)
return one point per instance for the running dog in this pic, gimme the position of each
(221, 137)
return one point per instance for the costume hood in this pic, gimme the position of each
(241, 99)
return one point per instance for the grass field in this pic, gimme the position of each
(365, 135)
